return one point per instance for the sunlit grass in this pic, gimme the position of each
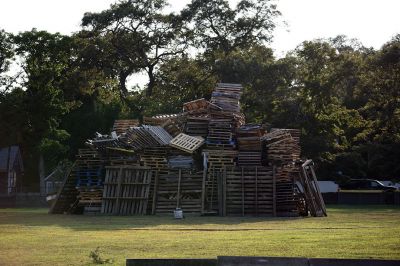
(31, 236)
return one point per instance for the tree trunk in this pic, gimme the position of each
(122, 84)
(152, 81)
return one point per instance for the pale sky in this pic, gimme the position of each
(373, 22)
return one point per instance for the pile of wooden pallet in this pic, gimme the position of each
(202, 160)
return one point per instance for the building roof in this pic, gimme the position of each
(12, 156)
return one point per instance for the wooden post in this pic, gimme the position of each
(256, 202)
(224, 192)
(179, 188)
(155, 191)
(203, 191)
(318, 191)
(146, 191)
(242, 192)
(220, 194)
(117, 194)
(274, 191)
(212, 189)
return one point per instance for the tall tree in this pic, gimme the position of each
(6, 55)
(219, 27)
(45, 60)
(135, 36)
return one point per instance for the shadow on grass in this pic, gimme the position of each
(40, 217)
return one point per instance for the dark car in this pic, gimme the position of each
(366, 184)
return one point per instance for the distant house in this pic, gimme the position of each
(11, 168)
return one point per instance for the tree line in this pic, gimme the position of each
(343, 96)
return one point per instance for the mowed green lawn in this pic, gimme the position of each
(31, 236)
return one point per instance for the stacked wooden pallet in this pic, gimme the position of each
(121, 157)
(286, 195)
(89, 173)
(312, 194)
(197, 126)
(281, 147)
(86, 173)
(180, 161)
(90, 199)
(227, 96)
(158, 120)
(155, 157)
(104, 142)
(250, 145)
(249, 191)
(186, 143)
(225, 118)
(138, 138)
(122, 125)
(178, 189)
(220, 134)
(295, 133)
(196, 106)
(220, 159)
(126, 190)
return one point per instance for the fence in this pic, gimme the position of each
(362, 198)
(261, 261)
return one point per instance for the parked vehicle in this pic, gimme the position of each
(366, 184)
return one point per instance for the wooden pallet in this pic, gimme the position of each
(173, 127)
(239, 191)
(249, 191)
(199, 104)
(282, 148)
(197, 126)
(87, 160)
(247, 158)
(155, 157)
(287, 199)
(313, 196)
(177, 188)
(220, 131)
(138, 138)
(121, 125)
(227, 96)
(218, 159)
(187, 143)
(126, 190)
(90, 199)
(159, 134)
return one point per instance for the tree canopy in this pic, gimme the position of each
(344, 97)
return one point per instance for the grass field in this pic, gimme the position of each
(31, 236)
